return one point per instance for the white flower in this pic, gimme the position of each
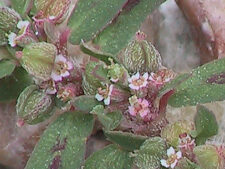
(137, 82)
(61, 68)
(173, 158)
(23, 25)
(104, 94)
(12, 39)
(23, 29)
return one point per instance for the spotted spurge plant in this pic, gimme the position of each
(88, 60)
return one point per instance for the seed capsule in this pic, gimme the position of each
(140, 56)
(34, 106)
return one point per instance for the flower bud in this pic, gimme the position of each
(38, 59)
(8, 21)
(172, 131)
(34, 106)
(140, 56)
(55, 11)
(208, 157)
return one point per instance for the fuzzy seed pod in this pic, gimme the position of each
(140, 56)
(34, 106)
(38, 59)
(8, 21)
(55, 11)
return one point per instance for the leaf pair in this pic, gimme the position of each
(111, 24)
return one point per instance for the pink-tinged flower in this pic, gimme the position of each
(161, 77)
(138, 107)
(137, 82)
(173, 158)
(61, 68)
(24, 36)
(49, 86)
(104, 94)
(67, 92)
(185, 142)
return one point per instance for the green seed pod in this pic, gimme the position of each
(34, 106)
(8, 21)
(94, 77)
(140, 56)
(56, 10)
(172, 131)
(38, 59)
(208, 157)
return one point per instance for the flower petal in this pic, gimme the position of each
(107, 101)
(23, 24)
(179, 155)
(145, 76)
(170, 151)
(65, 74)
(99, 97)
(134, 87)
(164, 163)
(11, 39)
(174, 164)
(60, 58)
(56, 77)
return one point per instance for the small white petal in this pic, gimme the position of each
(145, 76)
(23, 24)
(60, 58)
(65, 74)
(11, 39)
(136, 76)
(56, 77)
(51, 17)
(174, 164)
(70, 65)
(179, 155)
(110, 90)
(107, 101)
(170, 151)
(134, 87)
(114, 80)
(99, 97)
(164, 163)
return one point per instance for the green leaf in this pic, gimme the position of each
(6, 68)
(185, 163)
(173, 84)
(109, 120)
(62, 146)
(85, 103)
(4, 54)
(126, 140)
(91, 16)
(111, 157)
(205, 124)
(20, 6)
(205, 84)
(12, 86)
(208, 157)
(97, 54)
(150, 153)
(117, 35)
